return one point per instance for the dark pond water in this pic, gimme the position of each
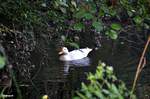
(59, 79)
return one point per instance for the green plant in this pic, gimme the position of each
(103, 16)
(20, 12)
(104, 85)
(3, 96)
(69, 42)
(110, 17)
(86, 15)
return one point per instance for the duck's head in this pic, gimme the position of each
(64, 50)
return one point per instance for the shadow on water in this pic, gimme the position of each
(59, 79)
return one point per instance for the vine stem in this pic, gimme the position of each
(141, 64)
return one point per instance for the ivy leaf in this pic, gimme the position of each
(97, 25)
(63, 3)
(88, 16)
(137, 19)
(93, 9)
(73, 44)
(74, 3)
(114, 89)
(112, 12)
(80, 13)
(116, 26)
(146, 26)
(2, 62)
(130, 13)
(101, 12)
(78, 26)
(112, 34)
(63, 38)
(63, 9)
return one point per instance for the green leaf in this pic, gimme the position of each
(74, 3)
(106, 91)
(101, 12)
(81, 96)
(137, 19)
(80, 13)
(63, 9)
(78, 26)
(88, 16)
(63, 3)
(130, 13)
(97, 25)
(91, 77)
(146, 26)
(105, 9)
(63, 38)
(116, 26)
(73, 44)
(112, 34)
(112, 12)
(99, 94)
(114, 89)
(2, 62)
(84, 87)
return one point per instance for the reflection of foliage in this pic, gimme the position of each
(2, 62)
(104, 85)
(2, 56)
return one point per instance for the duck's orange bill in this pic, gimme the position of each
(60, 53)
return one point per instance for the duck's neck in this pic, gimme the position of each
(65, 53)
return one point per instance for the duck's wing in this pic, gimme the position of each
(81, 52)
(74, 52)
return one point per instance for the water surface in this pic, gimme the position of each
(59, 79)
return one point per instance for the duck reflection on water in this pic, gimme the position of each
(84, 62)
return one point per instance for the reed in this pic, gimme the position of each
(141, 65)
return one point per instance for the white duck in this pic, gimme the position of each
(73, 55)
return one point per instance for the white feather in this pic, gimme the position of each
(74, 55)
